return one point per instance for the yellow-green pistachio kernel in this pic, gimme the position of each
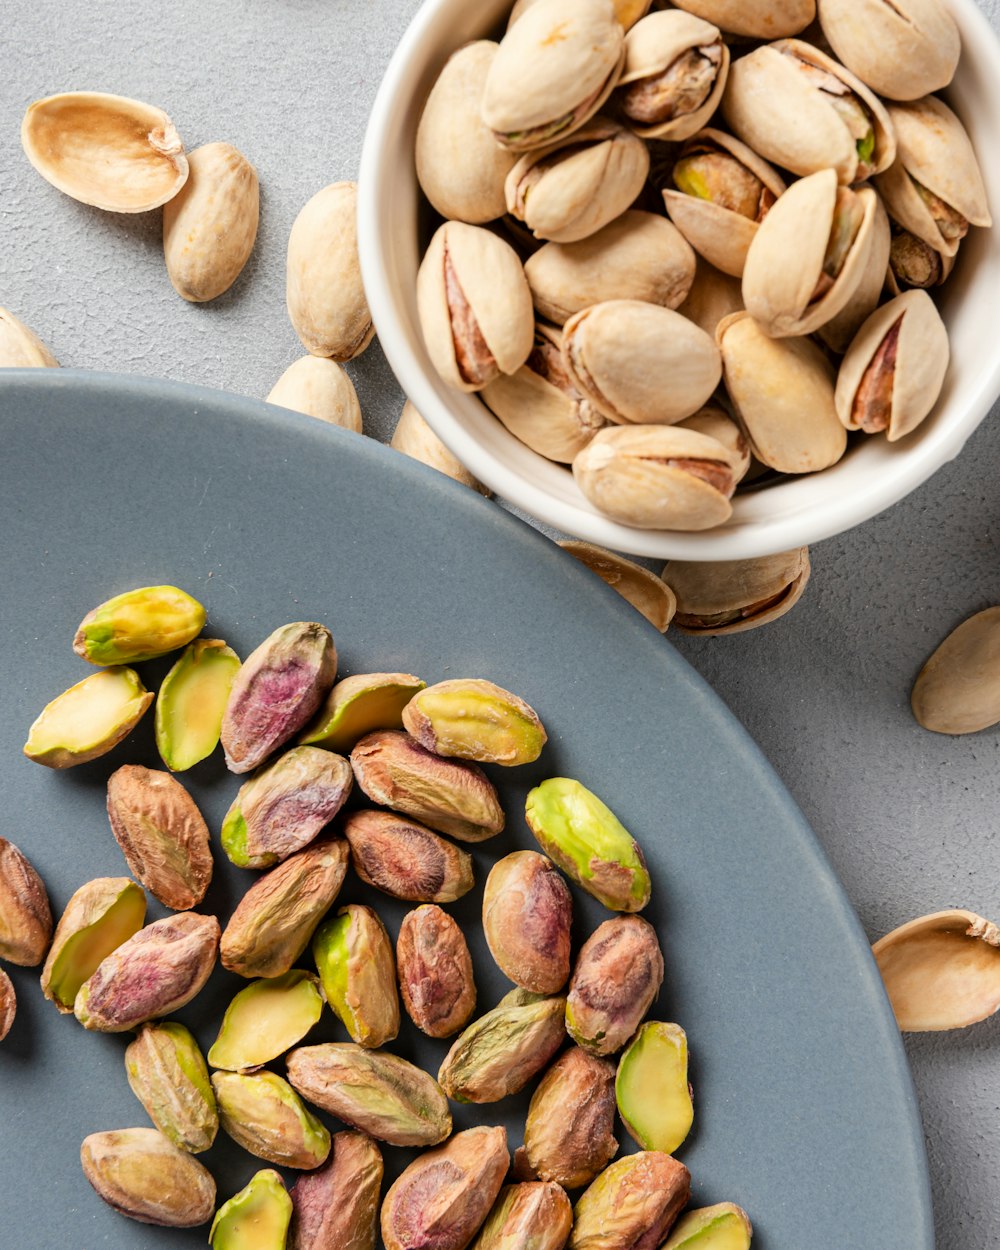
(99, 917)
(336, 1206)
(266, 1019)
(475, 720)
(191, 701)
(359, 705)
(532, 1216)
(166, 1071)
(139, 625)
(88, 719)
(262, 1113)
(617, 976)
(256, 1218)
(146, 1177)
(652, 1090)
(632, 1204)
(353, 954)
(25, 914)
(723, 1226)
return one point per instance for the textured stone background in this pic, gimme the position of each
(907, 818)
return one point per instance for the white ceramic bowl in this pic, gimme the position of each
(798, 511)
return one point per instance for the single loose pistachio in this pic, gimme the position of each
(354, 957)
(256, 1218)
(336, 1207)
(636, 585)
(402, 858)
(166, 1071)
(99, 917)
(320, 388)
(285, 805)
(139, 625)
(191, 702)
(153, 973)
(588, 841)
(732, 596)
(527, 917)
(499, 1053)
(277, 916)
(764, 19)
(89, 719)
(105, 150)
(532, 1216)
(717, 424)
(276, 692)
(359, 705)
(8, 1004)
(554, 69)
(452, 796)
(617, 976)
(162, 834)
(723, 1226)
(914, 263)
(263, 1114)
(893, 372)
(435, 972)
(651, 1087)
(325, 296)
(373, 1091)
(474, 305)
(265, 1019)
(941, 971)
(632, 1204)
(839, 331)
(210, 225)
(958, 689)
(569, 1135)
(415, 438)
(471, 719)
(902, 49)
(713, 296)
(25, 914)
(444, 1196)
(20, 347)
(145, 1176)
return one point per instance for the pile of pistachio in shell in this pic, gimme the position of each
(303, 741)
(694, 247)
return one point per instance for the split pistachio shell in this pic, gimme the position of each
(902, 49)
(632, 1204)
(958, 689)
(914, 263)
(893, 372)
(732, 596)
(720, 426)
(99, 917)
(637, 585)
(474, 305)
(262, 1113)
(8, 1004)
(415, 438)
(782, 390)
(941, 971)
(658, 477)
(166, 1071)
(527, 917)
(532, 1216)
(935, 189)
(191, 703)
(435, 971)
(21, 348)
(336, 1207)
(105, 150)
(359, 705)
(88, 719)
(406, 860)
(569, 1134)
(265, 1019)
(639, 256)
(713, 296)
(326, 300)
(256, 1218)
(674, 75)
(627, 12)
(460, 166)
(724, 191)
(319, 388)
(639, 363)
(471, 719)
(761, 19)
(25, 913)
(142, 1174)
(139, 625)
(554, 69)
(723, 1226)
(617, 976)
(827, 229)
(354, 957)
(571, 188)
(839, 331)
(801, 110)
(652, 1090)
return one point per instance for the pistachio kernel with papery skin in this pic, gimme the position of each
(476, 720)
(99, 917)
(527, 917)
(8, 1004)
(569, 1135)
(143, 1175)
(262, 1113)
(89, 719)
(435, 971)
(617, 976)
(532, 1216)
(632, 1204)
(265, 1019)
(400, 857)
(191, 701)
(25, 914)
(257, 1218)
(336, 1206)
(166, 1071)
(353, 954)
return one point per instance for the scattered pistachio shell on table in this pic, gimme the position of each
(353, 954)
(617, 976)
(415, 438)
(527, 918)
(762, 19)
(436, 980)
(105, 150)
(639, 256)
(958, 689)
(89, 719)
(902, 49)
(536, 1215)
(732, 596)
(637, 585)
(167, 1073)
(554, 69)
(472, 719)
(632, 1204)
(257, 1218)
(25, 914)
(723, 1226)
(319, 388)
(99, 917)
(262, 1113)
(651, 1087)
(839, 331)
(718, 424)
(403, 858)
(359, 705)
(20, 347)
(713, 297)
(191, 702)
(569, 1134)
(915, 263)
(325, 296)
(941, 971)
(893, 372)
(210, 225)
(139, 625)
(265, 1019)
(8, 1004)
(142, 1174)
(336, 1206)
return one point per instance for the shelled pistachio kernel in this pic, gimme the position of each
(359, 705)
(166, 1071)
(475, 720)
(89, 719)
(262, 1113)
(25, 912)
(191, 701)
(139, 625)
(256, 1218)
(723, 1226)
(99, 917)
(354, 957)
(265, 1019)
(651, 1088)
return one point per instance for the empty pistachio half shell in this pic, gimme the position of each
(20, 347)
(732, 596)
(958, 689)
(637, 585)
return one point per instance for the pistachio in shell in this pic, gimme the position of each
(89, 719)
(354, 957)
(191, 701)
(166, 1071)
(554, 69)
(713, 296)
(719, 425)
(723, 1226)
(415, 438)
(99, 917)
(262, 1113)
(839, 331)
(627, 12)
(636, 585)
(257, 1218)
(436, 980)
(8, 1004)
(763, 19)
(443, 1197)
(472, 719)
(474, 305)
(319, 388)
(265, 1019)
(617, 976)
(902, 49)
(373, 1091)
(143, 1175)
(733, 596)
(336, 1206)
(20, 347)
(958, 689)
(632, 1204)
(359, 705)
(527, 917)
(536, 1215)
(569, 1135)
(25, 914)
(893, 372)
(139, 625)
(914, 263)
(651, 1087)
(402, 858)
(105, 150)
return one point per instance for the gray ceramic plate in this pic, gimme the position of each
(805, 1113)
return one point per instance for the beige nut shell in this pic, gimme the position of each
(707, 590)
(627, 12)
(637, 585)
(922, 355)
(105, 150)
(713, 297)
(839, 331)
(415, 438)
(719, 425)
(319, 388)
(20, 347)
(754, 19)
(958, 689)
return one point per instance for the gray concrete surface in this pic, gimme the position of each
(907, 818)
